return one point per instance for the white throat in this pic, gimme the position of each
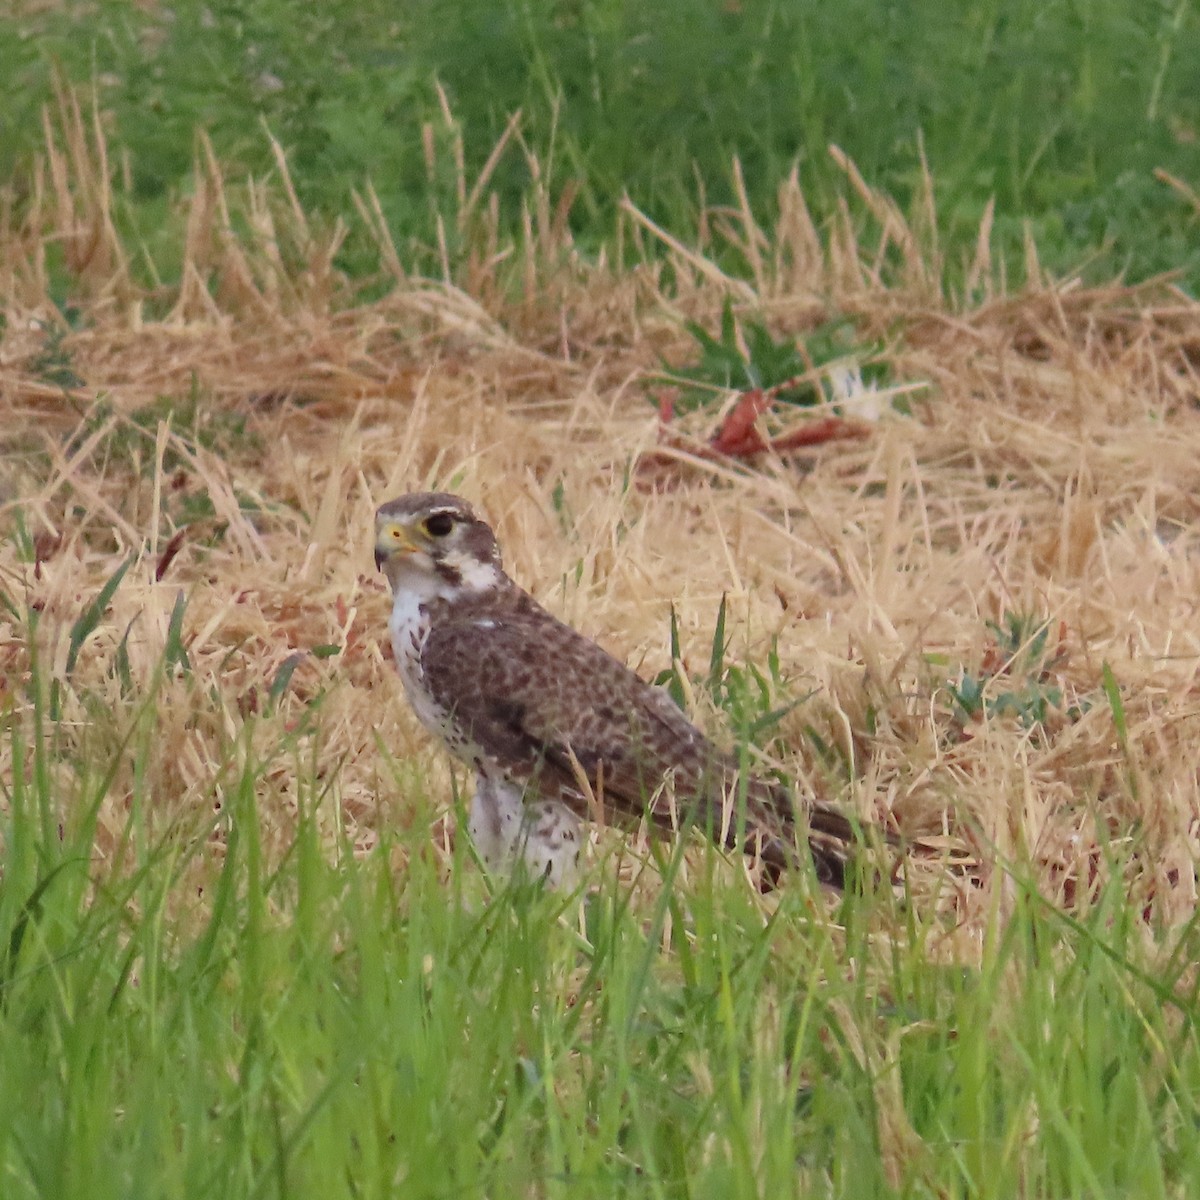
(409, 627)
(413, 590)
(418, 581)
(415, 584)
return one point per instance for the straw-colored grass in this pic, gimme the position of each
(1051, 466)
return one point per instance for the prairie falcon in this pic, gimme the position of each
(553, 726)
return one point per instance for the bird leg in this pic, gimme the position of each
(543, 836)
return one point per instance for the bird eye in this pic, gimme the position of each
(439, 525)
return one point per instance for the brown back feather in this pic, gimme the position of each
(509, 670)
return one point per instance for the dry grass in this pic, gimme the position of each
(1052, 466)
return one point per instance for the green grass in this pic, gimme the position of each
(304, 1022)
(1062, 111)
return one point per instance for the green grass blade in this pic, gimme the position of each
(89, 620)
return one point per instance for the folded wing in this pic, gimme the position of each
(545, 703)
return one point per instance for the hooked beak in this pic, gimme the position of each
(388, 545)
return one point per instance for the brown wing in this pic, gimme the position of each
(535, 693)
(540, 697)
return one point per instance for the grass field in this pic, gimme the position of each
(1081, 121)
(243, 951)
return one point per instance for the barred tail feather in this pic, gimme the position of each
(833, 839)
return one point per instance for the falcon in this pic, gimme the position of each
(556, 730)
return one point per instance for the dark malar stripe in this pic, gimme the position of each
(452, 575)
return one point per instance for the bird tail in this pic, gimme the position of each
(833, 839)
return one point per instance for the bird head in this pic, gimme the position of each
(432, 543)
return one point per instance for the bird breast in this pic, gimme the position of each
(409, 627)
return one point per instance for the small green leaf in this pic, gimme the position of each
(89, 619)
(284, 676)
(671, 678)
(25, 546)
(769, 720)
(716, 661)
(1113, 694)
(176, 653)
(124, 673)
